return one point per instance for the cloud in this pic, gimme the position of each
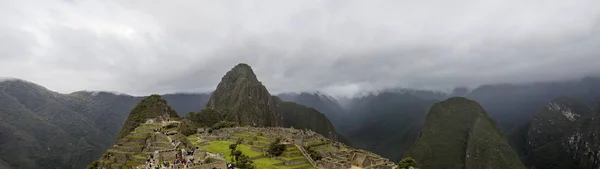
(340, 47)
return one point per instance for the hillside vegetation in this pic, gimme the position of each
(458, 133)
(151, 107)
(242, 99)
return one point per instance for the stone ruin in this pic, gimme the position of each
(335, 158)
(202, 158)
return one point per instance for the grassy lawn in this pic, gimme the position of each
(222, 147)
(247, 151)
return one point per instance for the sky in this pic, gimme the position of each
(339, 47)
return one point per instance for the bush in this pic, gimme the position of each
(276, 148)
(236, 154)
(223, 124)
(407, 162)
(232, 147)
(244, 162)
(205, 118)
(188, 128)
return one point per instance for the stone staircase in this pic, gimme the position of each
(306, 155)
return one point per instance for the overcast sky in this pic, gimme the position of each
(340, 47)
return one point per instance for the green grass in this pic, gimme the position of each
(268, 163)
(222, 147)
(247, 151)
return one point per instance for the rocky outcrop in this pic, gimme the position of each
(564, 134)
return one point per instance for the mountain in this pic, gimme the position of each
(303, 117)
(152, 107)
(583, 144)
(458, 133)
(241, 98)
(323, 103)
(386, 123)
(136, 140)
(514, 104)
(561, 116)
(40, 128)
(562, 134)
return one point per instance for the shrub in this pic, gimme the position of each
(188, 128)
(276, 148)
(223, 124)
(244, 162)
(236, 154)
(407, 162)
(232, 147)
(205, 118)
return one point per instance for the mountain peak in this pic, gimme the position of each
(239, 73)
(458, 133)
(241, 98)
(152, 107)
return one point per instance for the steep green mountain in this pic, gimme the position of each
(321, 102)
(152, 107)
(303, 117)
(458, 133)
(387, 123)
(561, 116)
(562, 134)
(241, 98)
(583, 144)
(137, 140)
(44, 129)
(40, 128)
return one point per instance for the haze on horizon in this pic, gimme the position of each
(337, 47)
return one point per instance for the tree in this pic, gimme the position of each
(276, 148)
(236, 154)
(205, 118)
(232, 147)
(223, 124)
(407, 162)
(188, 128)
(244, 162)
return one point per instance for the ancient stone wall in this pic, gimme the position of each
(332, 165)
